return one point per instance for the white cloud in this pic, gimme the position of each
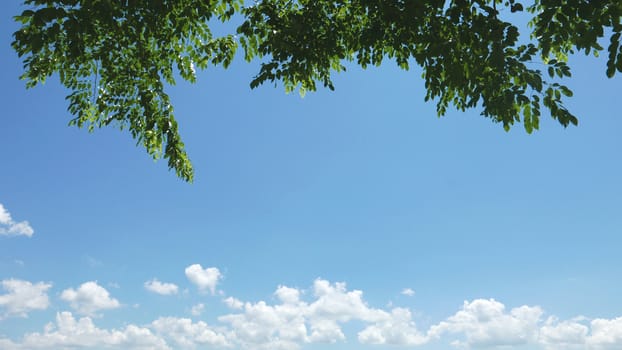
(397, 329)
(8, 227)
(188, 335)
(161, 288)
(563, 335)
(197, 309)
(204, 279)
(606, 334)
(89, 298)
(485, 323)
(292, 321)
(23, 297)
(335, 302)
(67, 332)
(408, 292)
(233, 303)
(262, 326)
(287, 295)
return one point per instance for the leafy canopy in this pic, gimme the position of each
(117, 56)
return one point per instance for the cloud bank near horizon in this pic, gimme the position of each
(296, 317)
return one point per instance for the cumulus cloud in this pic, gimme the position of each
(204, 279)
(9, 227)
(262, 326)
(69, 332)
(161, 288)
(293, 322)
(335, 302)
(567, 335)
(486, 323)
(606, 334)
(187, 334)
(89, 298)
(23, 297)
(397, 328)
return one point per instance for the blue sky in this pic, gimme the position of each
(346, 219)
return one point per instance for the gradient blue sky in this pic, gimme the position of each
(503, 238)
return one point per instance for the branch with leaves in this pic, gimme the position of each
(117, 56)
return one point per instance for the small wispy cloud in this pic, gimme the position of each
(197, 309)
(408, 292)
(93, 262)
(233, 303)
(10, 227)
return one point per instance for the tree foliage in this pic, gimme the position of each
(117, 56)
